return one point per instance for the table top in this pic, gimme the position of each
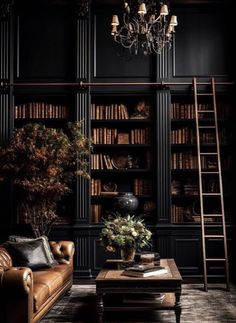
(112, 276)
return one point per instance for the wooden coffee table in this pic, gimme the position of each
(111, 281)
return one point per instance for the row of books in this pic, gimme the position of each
(113, 136)
(105, 112)
(40, 110)
(184, 160)
(187, 110)
(187, 136)
(183, 136)
(140, 187)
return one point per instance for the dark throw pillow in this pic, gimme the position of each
(29, 254)
(46, 245)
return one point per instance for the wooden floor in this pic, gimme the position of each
(215, 306)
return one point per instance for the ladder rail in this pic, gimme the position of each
(220, 182)
(200, 183)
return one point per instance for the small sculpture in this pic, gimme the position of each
(141, 111)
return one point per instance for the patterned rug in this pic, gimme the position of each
(215, 306)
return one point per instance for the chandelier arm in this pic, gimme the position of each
(157, 19)
(136, 22)
(127, 46)
(126, 22)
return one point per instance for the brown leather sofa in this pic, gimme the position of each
(26, 295)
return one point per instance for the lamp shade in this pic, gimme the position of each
(115, 20)
(164, 10)
(173, 21)
(142, 9)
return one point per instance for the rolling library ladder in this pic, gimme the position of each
(206, 120)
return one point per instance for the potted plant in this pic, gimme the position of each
(42, 163)
(126, 233)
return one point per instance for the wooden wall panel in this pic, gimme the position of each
(202, 44)
(187, 254)
(108, 58)
(45, 43)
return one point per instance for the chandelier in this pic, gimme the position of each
(146, 27)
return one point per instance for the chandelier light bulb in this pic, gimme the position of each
(142, 29)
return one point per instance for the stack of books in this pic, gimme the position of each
(141, 271)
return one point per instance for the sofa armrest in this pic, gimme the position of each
(16, 295)
(17, 280)
(63, 251)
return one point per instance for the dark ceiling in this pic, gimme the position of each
(177, 2)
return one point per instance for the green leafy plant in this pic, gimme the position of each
(42, 163)
(124, 232)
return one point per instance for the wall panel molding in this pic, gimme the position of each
(83, 184)
(163, 155)
(82, 71)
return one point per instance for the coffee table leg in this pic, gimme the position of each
(177, 307)
(100, 307)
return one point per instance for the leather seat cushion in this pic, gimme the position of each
(46, 283)
(41, 294)
(64, 270)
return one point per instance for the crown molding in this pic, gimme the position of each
(5, 8)
(82, 8)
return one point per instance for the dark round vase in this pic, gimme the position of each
(125, 202)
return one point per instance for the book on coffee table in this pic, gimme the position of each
(144, 271)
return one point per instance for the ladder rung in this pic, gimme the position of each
(208, 154)
(205, 111)
(204, 94)
(214, 236)
(210, 172)
(212, 215)
(215, 259)
(211, 194)
(206, 127)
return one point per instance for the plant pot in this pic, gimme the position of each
(127, 254)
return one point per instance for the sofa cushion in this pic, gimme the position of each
(46, 245)
(46, 282)
(28, 254)
(41, 294)
(64, 270)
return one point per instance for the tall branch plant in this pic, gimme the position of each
(42, 163)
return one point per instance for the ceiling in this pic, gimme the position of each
(177, 2)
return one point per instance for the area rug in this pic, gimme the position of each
(215, 306)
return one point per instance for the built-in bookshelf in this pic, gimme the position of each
(53, 110)
(185, 201)
(122, 159)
